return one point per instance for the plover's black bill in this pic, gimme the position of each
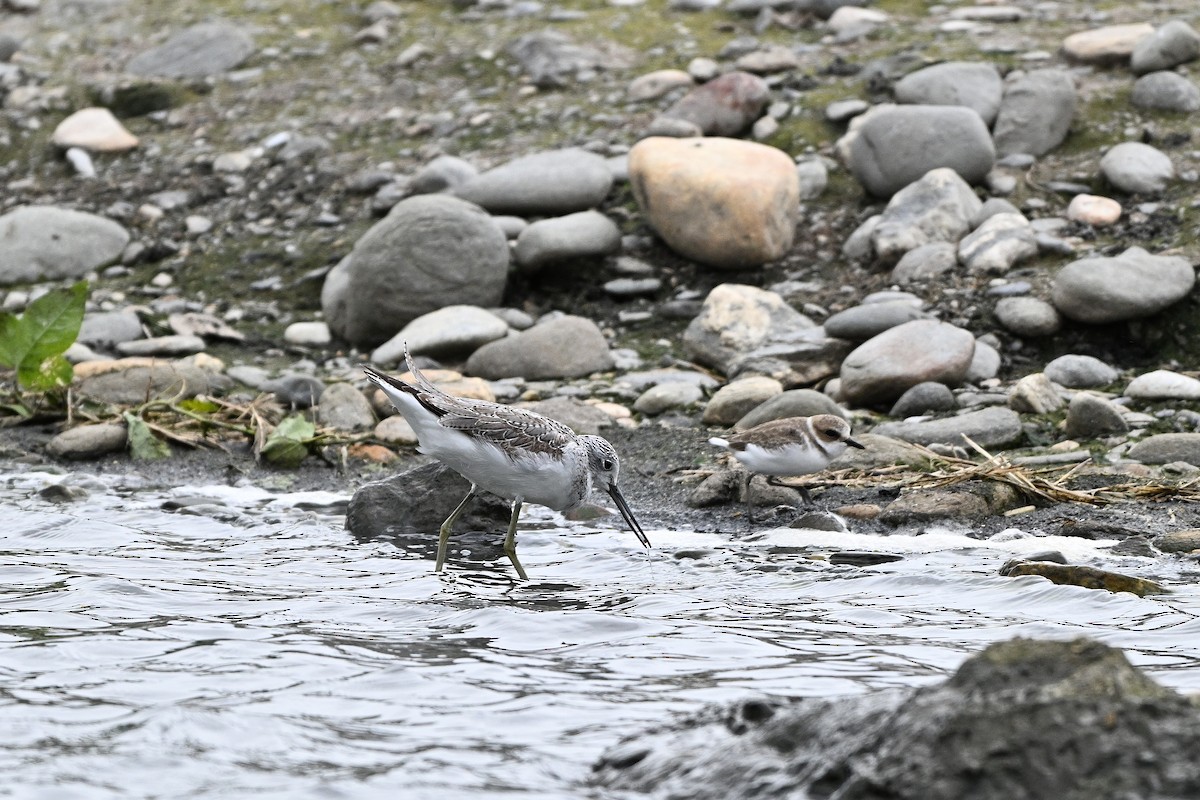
(623, 507)
(853, 443)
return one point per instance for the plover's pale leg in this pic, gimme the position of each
(510, 539)
(444, 531)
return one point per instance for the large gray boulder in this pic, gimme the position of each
(1130, 285)
(994, 426)
(736, 319)
(1036, 112)
(209, 48)
(1173, 44)
(412, 504)
(889, 147)
(429, 252)
(45, 243)
(1043, 720)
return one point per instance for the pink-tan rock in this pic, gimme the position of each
(1112, 44)
(655, 84)
(94, 129)
(727, 203)
(1093, 210)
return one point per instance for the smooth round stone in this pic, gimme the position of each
(813, 176)
(565, 347)
(653, 85)
(736, 399)
(310, 334)
(924, 398)
(396, 430)
(1028, 317)
(859, 323)
(666, 396)
(727, 203)
(343, 407)
(890, 147)
(1167, 448)
(208, 48)
(1112, 44)
(737, 319)
(937, 208)
(1093, 210)
(88, 441)
(442, 174)
(1089, 417)
(94, 129)
(296, 390)
(1170, 45)
(985, 363)
(553, 183)
(1166, 91)
(1080, 372)
(1162, 384)
(883, 368)
(1036, 113)
(1130, 285)
(45, 243)
(1137, 168)
(724, 106)
(1184, 541)
(998, 244)
(791, 403)
(845, 110)
(175, 345)
(976, 85)
(586, 234)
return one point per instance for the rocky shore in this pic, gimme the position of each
(970, 230)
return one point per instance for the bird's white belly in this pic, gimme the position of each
(535, 477)
(790, 460)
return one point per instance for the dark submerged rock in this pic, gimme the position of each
(1032, 719)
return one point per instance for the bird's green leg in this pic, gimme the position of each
(444, 531)
(746, 494)
(510, 539)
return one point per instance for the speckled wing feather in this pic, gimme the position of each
(769, 434)
(515, 429)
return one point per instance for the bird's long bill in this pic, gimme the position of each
(623, 507)
(853, 443)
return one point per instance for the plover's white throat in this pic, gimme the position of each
(517, 454)
(788, 447)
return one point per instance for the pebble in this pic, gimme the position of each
(925, 263)
(1137, 168)
(174, 345)
(1182, 541)
(654, 85)
(1113, 44)
(307, 334)
(132, 381)
(88, 441)
(976, 85)
(442, 174)
(1166, 91)
(724, 106)
(924, 398)
(343, 407)
(1001, 242)
(790, 403)
(1029, 317)
(1080, 372)
(1034, 394)
(208, 48)
(862, 322)
(1094, 210)
(1165, 448)
(666, 397)
(736, 399)
(295, 390)
(47, 243)
(1174, 43)
(632, 287)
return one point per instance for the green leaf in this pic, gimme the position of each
(198, 405)
(287, 445)
(143, 444)
(47, 328)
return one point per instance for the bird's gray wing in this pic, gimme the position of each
(515, 429)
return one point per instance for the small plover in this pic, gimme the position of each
(788, 447)
(517, 454)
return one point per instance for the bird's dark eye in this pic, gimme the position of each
(606, 464)
(831, 434)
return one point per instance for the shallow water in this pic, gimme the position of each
(252, 646)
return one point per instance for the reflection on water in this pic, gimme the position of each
(250, 646)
